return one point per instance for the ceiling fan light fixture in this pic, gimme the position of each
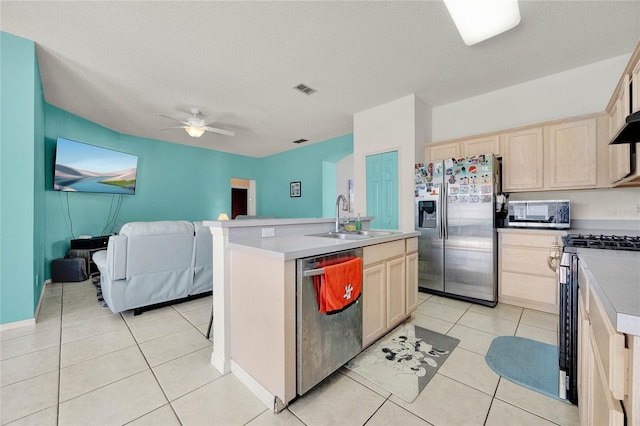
(479, 20)
(194, 131)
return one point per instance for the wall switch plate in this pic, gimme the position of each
(268, 232)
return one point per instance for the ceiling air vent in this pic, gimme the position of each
(305, 89)
(301, 141)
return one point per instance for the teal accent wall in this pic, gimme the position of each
(22, 120)
(304, 164)
(174, 182)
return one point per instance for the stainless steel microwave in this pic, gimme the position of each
(554, 214)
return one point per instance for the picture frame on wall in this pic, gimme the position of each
(295, 189)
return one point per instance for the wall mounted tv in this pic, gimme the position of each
(80, 167)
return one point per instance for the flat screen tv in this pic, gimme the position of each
(80, 167)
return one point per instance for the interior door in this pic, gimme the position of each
(382, 190)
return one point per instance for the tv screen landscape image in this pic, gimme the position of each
(80, 167)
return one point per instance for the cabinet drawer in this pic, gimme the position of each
(528, 239)
(610, 346)
(529, 287)
(412, 244)
(380, 252)
(526, 260)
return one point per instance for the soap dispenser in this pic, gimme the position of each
(358, 223)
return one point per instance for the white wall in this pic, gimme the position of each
(388, 127)
(423, 128)
(575, 92)
(344, 172)
(571, 93)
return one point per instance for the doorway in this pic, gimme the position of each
(243, 198)
(238, 202)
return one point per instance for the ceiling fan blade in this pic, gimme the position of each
(171, 118)
(221, 131)
(173, 127)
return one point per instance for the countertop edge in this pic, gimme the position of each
(318, 245)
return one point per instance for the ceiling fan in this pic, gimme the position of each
(195, 125)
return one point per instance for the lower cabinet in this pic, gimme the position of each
(390, 287)
(525, 279)
(601, 363)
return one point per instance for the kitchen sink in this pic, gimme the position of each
(353, 235)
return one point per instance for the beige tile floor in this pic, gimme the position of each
(82, 365)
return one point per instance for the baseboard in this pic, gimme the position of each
(46, 282)
(271, 401)
(220, 364)
(30, 321)
(17, 324)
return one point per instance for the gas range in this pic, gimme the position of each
(610, 242)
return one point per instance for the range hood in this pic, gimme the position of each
(630, 132)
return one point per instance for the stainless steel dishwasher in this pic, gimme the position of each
(324, 342)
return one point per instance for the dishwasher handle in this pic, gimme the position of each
(313, 272)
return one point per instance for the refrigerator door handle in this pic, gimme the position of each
(445, 213)
(439, 215)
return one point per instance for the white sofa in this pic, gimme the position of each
(154, 262)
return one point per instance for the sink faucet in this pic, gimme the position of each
(345, 208)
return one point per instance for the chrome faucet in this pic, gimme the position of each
(345, 208)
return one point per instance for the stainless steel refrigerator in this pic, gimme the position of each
(455, 214)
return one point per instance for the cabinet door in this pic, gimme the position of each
(571, 155)
(522, 160)
(374, 303)
(396, 291)
(602, 408)
(482, 145)
(442, 152)
(635, 89)
(412, 283)
(584, 368)
(619, 165)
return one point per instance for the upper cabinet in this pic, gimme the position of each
(522, 160)
(570, 151)
(489, 144)
(441, 152)
(625, 100)
(482, 145)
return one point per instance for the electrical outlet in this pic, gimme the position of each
(268, 232)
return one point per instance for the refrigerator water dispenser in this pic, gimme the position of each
(427, 214)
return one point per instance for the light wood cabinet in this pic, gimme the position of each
(482, 145)
(522, 160)
(374, 306)
(635, 92)
(618, 110)
(390, 286)
(524, 277)
(412, 282)
(396, 291)
(439, 152)
(487, 144)
(570, 155)
(601, 362)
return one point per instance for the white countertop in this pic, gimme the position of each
(299, 246)
(615, 277)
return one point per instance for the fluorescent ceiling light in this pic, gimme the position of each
(478, 20)
(194, 131)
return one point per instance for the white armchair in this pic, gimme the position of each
(147, 263)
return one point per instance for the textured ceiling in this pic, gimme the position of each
(117, 63)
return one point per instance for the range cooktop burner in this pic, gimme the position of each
(612, 242)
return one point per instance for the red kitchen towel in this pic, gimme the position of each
(339, 286)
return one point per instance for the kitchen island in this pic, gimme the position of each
(609, 337)
(254, 313)
(263, 301)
